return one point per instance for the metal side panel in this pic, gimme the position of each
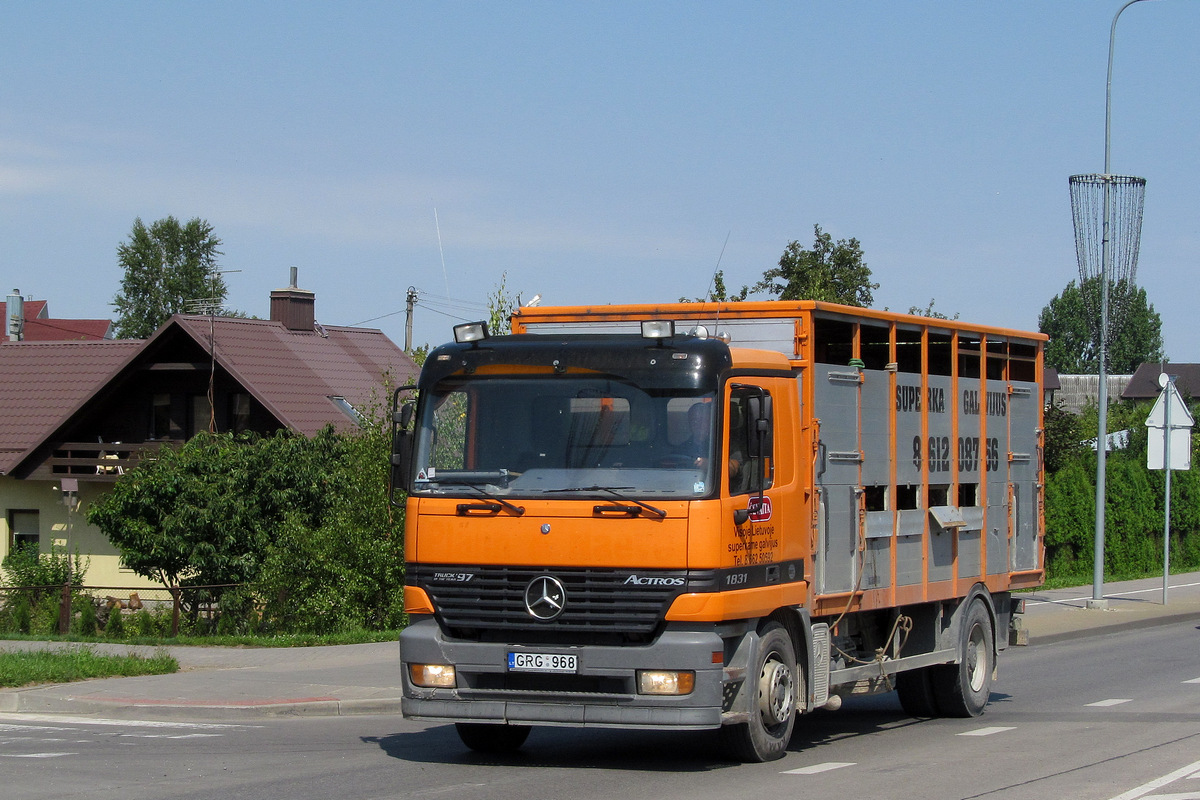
(820, 666)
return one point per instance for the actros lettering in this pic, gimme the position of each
(639, 580)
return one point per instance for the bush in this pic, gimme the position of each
(84, 624)
(143, 624)
(26, 565)
(115, 629)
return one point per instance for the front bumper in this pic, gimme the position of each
(603, 693)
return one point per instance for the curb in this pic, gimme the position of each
(1136, 623)
(21, 702)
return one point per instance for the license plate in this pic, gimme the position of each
(542, 662)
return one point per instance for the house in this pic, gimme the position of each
(1075, 392)
(29, 321)
(78, 414)
(1144, 383)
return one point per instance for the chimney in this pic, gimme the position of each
(16, 316)
(294, 307)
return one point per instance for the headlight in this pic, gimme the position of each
(432, 676)
(664, 682)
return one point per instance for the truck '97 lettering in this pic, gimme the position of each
(617, 518)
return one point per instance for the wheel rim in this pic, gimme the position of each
(775, 691)
(976, 656)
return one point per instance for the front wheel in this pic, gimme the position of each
(485, 738)
(776, 683)
(963, 689)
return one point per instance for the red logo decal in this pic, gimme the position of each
(760, 509)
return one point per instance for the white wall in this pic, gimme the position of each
(67, 529)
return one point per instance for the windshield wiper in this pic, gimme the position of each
(615, 491)
(493, 502)
(476, 479)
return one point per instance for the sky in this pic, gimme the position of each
(593, 152)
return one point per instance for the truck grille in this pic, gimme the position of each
(600, 604)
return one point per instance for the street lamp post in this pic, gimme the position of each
(1098, 600)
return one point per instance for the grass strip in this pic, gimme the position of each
(274, 640)
(28, 667)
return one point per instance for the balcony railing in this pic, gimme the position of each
(101, 461)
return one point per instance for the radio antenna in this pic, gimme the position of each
(441, 254)
(712, 280)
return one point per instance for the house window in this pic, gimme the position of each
(239, 412)
(25, 528)
(202, 414)
(160, 416)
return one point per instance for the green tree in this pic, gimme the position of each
(347, 572)
(1064, 438)
(718, 293)
(204, 513)
(166, 265)
(831, 271)
(928, 311)
(1071, 320)
(501, 306)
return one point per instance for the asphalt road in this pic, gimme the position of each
(1115, 716)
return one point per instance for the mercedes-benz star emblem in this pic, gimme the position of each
(545, 597)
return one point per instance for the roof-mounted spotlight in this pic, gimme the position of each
(470, 332)
(658, 329)
(700, 332)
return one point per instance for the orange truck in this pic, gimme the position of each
(714, 516)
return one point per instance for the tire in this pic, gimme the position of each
(963, 689)
(775, 682)
(915, 690)
(485, 738)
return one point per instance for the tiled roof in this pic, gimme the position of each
(62, 330)
(294, 373)
(42, 382)
(1144, 383)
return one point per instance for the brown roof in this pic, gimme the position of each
(46, 387)
(295, 373)
(39, 327)
(1144, 383)
(41, 382)
(60, 330)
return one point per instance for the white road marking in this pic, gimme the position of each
(986, 731)
(1142, 791)
(1116, 701)
(818, 768)
(1183, 796)
(169, 735)
(1193, 680)
(35, 755)
(131, 723)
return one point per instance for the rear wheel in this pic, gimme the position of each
(486, 738)
(775, 682)
(962, 689)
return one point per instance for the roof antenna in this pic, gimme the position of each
(716, 269)
(445, 276)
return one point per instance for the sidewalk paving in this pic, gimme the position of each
(242, 683)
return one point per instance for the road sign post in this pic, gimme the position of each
(1168, 447)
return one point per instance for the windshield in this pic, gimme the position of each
(562, 434)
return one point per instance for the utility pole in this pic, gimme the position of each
(410, 302)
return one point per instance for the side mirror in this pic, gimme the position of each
(402, 445)
(760, 427)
